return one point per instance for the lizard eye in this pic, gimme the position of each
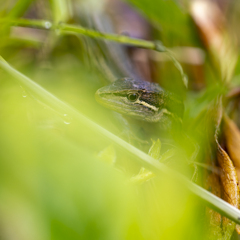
(132, 97)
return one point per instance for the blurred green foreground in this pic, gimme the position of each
(52, 185)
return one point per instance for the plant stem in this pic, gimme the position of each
(74, 29)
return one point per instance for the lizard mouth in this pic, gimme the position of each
(110, 101)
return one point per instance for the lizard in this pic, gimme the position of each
(132, 95)
(145, 101)
(148, 102)
(142, 100)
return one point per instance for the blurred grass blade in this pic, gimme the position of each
(19, 8)
(60, 10)
(137, 155)
(172, 18)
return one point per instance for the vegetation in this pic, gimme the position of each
(66, 173)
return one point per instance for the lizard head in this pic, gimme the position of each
(139, 99)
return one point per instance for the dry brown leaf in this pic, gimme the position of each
(229, 182)
(232, 135)
(238, 174)
(228, 177)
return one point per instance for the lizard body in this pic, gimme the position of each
(132, 95)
